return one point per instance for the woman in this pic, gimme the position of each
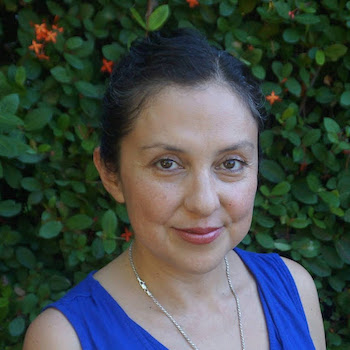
(180, 149)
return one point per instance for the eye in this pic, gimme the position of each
(232, 165)
(166, 164)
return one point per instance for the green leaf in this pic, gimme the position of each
(29, 303)
(58, 283)
(331, 125)
(226, 8)
(307, 18)
(37, 118)
(335, 51)
(109, 223)
(291, 36)
(320, 57)
(74, 43)
(112, 52)
(11, 147)
(299, 223)
(259, 72)
(265, 221)
(313, 182)
(343, 299)
(9, 121)
(122, 213)
(317, 266)
(265, 240)
(17, 326)
(282, 9)
(109, 245)
(330, 255)
(50, 229)
(293, 86)
(74, 61)
(158, 17)
(345, 99)
(247, 6)
(55, 8)
(272, 171)
(283, 247)
(89, 90)
(9, 104)
(331, 198)
(336, 283)
(311, 137)
(26, 258)
(277, 67)
(61, 74)
(9, 208)
(20, 76)
(79, 222)
(343, 249)
(281, 189)
(30, 184)
(307, 247)
(302, 193)
(98, 250)
(138, 18)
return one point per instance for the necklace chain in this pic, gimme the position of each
(171, 318)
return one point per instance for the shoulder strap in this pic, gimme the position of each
(284, 313)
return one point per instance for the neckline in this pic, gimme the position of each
(143, 334)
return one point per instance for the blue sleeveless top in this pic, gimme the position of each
(102, 324)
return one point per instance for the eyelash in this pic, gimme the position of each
(235, 161)
(242, 163)
(158, 163)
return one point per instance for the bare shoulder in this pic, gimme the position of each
(309, 298)
(51, 330)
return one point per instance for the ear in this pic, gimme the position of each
(110, 180)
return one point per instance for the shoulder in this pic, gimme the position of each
(51, 330)
(309, 299)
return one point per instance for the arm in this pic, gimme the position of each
(51, 330)
(309, 299)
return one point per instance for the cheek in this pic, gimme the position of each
(241, 201)
(149, 203)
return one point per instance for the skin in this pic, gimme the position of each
(186, 165)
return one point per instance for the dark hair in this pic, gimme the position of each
(183, 58)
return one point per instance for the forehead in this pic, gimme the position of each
(212, 110)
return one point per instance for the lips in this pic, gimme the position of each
(199, 235)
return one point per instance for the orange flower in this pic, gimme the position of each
(272, 98)
(126, 235)
(42, 56)
(51, 36)
(193, 3)
(35, 47)
(40, 31)
(59, 29)
(107, 66)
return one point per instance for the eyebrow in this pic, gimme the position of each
(234, 147)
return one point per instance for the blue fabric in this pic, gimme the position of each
(101, 323)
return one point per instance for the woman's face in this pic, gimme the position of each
(188, 176)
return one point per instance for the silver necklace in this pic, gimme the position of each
(171, 318)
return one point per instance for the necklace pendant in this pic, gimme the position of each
(143, 286)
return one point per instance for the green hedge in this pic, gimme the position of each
(56, 221)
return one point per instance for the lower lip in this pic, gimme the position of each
(196, 238)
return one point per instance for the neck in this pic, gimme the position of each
(179, 286)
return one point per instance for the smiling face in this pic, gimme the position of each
(188, 176)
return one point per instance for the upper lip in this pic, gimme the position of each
(199, 230)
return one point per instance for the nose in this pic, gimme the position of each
(202, 196)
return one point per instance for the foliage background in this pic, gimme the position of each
(56, 221)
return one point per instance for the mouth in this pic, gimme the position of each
(199, 235)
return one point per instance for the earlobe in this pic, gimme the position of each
(110, 180)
